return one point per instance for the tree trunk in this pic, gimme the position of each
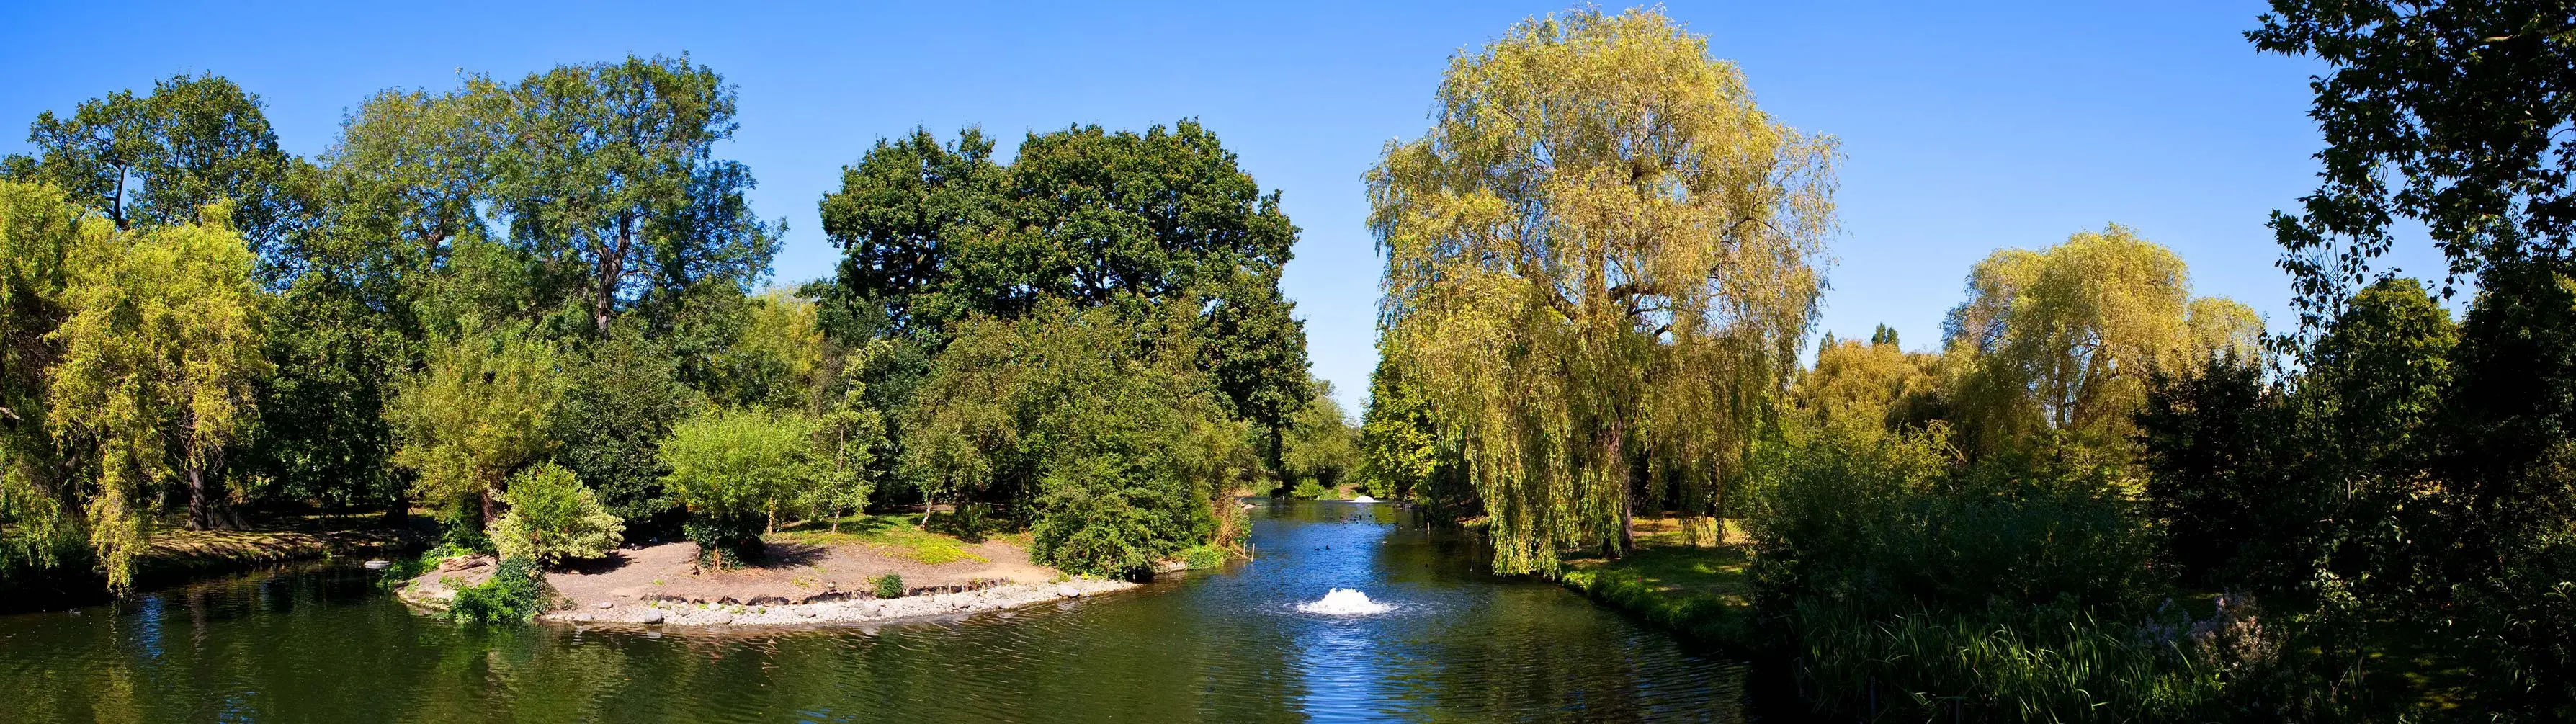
(491, 509)
(1627, 522)
(1279, 457)
(612, 267)
(398, 512)
(200, 517)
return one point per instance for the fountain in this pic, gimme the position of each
(1344, 602)
(1363, 499)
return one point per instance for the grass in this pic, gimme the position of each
(892, 534)
(1687, 578)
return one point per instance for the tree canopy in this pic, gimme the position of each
(2062, 339)
(1602, 253)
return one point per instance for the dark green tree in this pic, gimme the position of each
(933, 233)
(2452, 114)
(607, 173)
(625, 394)
(2208, 437)
(158, 159)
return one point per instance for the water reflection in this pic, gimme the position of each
(324, 645)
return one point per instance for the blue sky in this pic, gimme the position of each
(1965, 129)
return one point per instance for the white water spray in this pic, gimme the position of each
(1344, 602)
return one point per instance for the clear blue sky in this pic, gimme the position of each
(1966, 130)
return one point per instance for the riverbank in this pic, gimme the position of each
(811, 574)
(176, 556)
(1689, 579)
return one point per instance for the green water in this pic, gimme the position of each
(322, 644)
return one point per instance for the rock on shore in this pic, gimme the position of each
(847, 611)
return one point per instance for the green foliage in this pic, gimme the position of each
(890, 586)
(1578, 358)
(2211, 442)
(1857, 389)
(1112, 439)
(847, 440)
(730, 469)
(553, 517)
(159, 356)
(41, 234)
(477, 410)
(2413, 131)
(2048, 666)
(624, 396)
(1998, 588)
(2060, 340)
(1401, 453)
(160, 158)
(516, 593)
(321, 432)
(1309, 490)
(1319, 443)
(1203, 557)
(609, 168)
(933, 234)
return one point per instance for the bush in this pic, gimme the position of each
(729, 469)
(725, 541)
(1308, 490)
(1203, 557)
(1990, 590)
(514, 594)
(553, 517)
(890, 585)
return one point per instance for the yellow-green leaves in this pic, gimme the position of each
(1601, 254)
(2062, 338)
(474, 413)
(159, 353)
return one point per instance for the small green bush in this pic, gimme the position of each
(513, 595)
(890, 585)
(554, 517)
(1203, 557)
(1308, 490)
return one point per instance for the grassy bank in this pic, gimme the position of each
(1690, 579)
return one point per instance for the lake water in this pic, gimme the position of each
(322, 644)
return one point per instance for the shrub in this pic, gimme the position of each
(890, 585)
(553, 517)
(729, 468)
(1203, 557)
(1308, 490)
(1990, 590)
(514, 594)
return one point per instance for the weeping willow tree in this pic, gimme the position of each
(2060, 340)
(1600, 262)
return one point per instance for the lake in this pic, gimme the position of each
(322, 643)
